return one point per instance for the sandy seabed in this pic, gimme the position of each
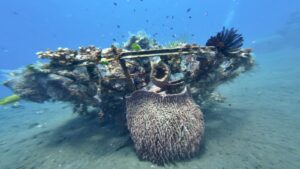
(256, 127)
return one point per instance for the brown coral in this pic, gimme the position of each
(164, 127)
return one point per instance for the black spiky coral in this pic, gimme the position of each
(227, 41)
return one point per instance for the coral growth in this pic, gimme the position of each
(93, 77)
(140, 41)
(66, 56)
(164, 119)
(164, 128)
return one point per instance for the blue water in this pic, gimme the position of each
(265, 101)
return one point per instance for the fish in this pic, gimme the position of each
(15, 13)
(155, 34)
(188, 10)
(10, 99)
(115, 3)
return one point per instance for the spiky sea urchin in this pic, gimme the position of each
(227, 41)
(164, 128)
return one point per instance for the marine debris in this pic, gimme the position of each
(113, 82)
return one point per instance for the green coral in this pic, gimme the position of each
(104, 63)
(135, 47)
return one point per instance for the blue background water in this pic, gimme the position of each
(30, 26)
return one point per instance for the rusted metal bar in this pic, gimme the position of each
(127, 75)
(186, 50)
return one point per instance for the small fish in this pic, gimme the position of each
(115, 3)
(114, 39)
(15, 13)
(190, 17)
(189, 10)
(118, 26)
(167, 17)
(173, 36)
(172, 17)
(171, 28)
(10, 99)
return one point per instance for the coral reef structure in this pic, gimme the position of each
(164, 127)
(164, 119)
(97, 80)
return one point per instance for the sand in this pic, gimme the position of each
(256, 127)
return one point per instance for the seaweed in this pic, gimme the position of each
(227, 41)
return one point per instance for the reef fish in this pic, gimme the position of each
(9, 99)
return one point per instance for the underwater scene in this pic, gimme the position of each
(150, 84)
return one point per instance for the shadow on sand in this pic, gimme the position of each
(223, 121)
(86, 134)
